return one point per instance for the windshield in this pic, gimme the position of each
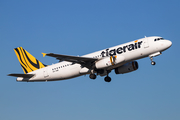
(157, 39)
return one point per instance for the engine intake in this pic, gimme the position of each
(128, 67)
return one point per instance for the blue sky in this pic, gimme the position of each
(81, 27)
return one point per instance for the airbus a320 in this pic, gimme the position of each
(121, 58)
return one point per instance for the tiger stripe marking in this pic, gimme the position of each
(111, 60)
(28, 62)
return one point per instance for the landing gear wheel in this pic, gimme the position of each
(107, 79)
(92, 76)
(153, 63)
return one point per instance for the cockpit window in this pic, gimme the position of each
(157, 39)
(161, 38)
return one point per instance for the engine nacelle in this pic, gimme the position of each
(109, 61)
(128, 67)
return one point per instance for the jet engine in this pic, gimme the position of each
(109, 61)
(128, 67)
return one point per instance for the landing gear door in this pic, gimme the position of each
(145, 41)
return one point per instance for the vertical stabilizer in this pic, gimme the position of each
(28, 62)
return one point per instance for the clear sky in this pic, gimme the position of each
(78, 27)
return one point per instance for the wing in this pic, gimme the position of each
(74, 59)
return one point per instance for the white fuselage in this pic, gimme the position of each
(129, 51)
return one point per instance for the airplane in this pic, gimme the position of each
(121, 58)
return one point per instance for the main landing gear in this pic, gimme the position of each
(92, 76)
(152, 62)
(106, 79)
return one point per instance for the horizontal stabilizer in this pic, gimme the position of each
(22, 75)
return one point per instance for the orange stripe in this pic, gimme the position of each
(136, 41)
(111, 60)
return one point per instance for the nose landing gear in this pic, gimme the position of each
(152, 62)
(154, 55)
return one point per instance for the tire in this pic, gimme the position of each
(153, 63)
(92, 76)
(107, 79)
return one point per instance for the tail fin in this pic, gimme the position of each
(27, 61)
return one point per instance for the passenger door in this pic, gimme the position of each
(45, 72)
(146, 44)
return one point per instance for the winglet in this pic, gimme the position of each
(44, 54)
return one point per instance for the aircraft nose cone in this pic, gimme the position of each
(168, 43)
